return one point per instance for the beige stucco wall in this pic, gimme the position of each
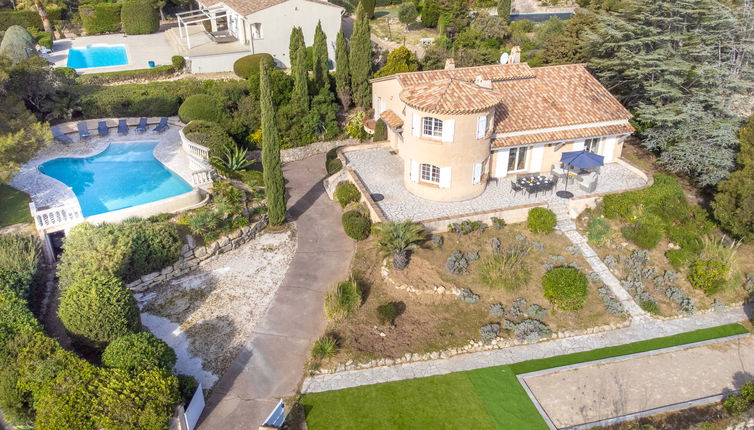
(278, 21)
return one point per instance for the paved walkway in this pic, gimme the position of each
(271, 365)
(640, 329)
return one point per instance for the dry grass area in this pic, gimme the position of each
(432, 322)
(617, 246)
(386, 26)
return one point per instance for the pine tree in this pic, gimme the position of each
(320, 59)
(342, 72)
(296, 40)
(300, 94)
(360, 60)
(504, 10)
(273, 173)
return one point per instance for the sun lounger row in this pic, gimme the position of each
(104, 130)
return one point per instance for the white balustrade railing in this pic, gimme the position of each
(194, 149)
(67, 213)
(201, 177)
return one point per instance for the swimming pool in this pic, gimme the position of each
(122, 176)
(97, 56)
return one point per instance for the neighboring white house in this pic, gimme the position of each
(243, 27)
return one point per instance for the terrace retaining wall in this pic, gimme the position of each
(302, 152)
(193, 256)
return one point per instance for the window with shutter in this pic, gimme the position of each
(431, 127)
(445, 177)
(448, 129)
(414, 173)
(416, 124)
(476, 176)
(481, 127)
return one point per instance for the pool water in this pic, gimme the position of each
(122, 176)
(97, 56)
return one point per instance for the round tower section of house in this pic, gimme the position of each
(446, 141)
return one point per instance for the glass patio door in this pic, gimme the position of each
(517, 159)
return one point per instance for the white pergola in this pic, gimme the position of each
(211, 13)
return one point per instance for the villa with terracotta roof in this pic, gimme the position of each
(455, 129)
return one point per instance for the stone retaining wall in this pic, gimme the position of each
(302, 152)
(193, 256)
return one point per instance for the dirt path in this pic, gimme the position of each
(271, 364)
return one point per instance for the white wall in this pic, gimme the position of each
(214, 63)
(278, 21)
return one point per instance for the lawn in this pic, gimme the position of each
(490, 398)
(15, 207)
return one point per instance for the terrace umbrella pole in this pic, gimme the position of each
(568, 173)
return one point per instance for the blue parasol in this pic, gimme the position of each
(581, 160)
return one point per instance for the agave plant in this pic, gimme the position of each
(397, 239)
(233, 159)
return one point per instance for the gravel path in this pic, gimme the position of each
(382, 173)
(206, 316)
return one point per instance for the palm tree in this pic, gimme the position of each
(43, 17)
(398, 239)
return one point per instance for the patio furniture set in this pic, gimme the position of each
(534, 184)
(103, 129)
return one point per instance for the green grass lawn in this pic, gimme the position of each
(490, 398)
(15, 206)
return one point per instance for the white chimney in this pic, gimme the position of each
(483, 83)
(450, 64)
(515, 56)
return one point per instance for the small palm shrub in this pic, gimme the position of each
(346, 193)
(139, 351)
(388, 312)
(708, 275)
(228, 199)
(205, 223)
(325, 347)
(541, 220)
(598, 230)
(643, 235)
(233, 159)
(397, 239)
(333, 166)
(356, 225)
(342, 299)
(504, 271)
(565, 288)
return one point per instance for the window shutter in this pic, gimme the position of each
(416, 128)
(476, 176)
(448, 129)
(414, 173)
(578, 145)
(444, 177)
(376, 107)
(481, 127)
(383, 106)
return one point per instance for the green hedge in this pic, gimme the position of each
(246, 66)
(356, 225)
(101, 18)
(541, 220)
(132, 100)
(209, 134)
(139, 351)
(346, 193)
(27, 18)
(127, 75)
(566, 288)
(201, 107)
(140, 17)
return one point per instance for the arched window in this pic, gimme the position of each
(256, 30)
(431, 127)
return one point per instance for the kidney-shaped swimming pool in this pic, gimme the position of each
(122, 176)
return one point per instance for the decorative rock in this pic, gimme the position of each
(200, 252)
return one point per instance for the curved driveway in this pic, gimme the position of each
(272, 363)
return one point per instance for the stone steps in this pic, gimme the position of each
(175, 41)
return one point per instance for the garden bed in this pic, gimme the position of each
(433, 317)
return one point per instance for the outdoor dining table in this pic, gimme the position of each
(535, 184)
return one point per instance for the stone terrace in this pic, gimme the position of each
(382, 173)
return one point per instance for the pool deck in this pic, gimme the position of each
(48, 192)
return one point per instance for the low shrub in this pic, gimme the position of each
(98, 309)
(101, 17)
(528, 330)
(380, 131)
(134, 100)
(708, 275)
(645, 236)
(140, 17)
(566, 288)
(747, 391)
(202, 107)
(126, 75)
(247, 66)
(506, 271)
(333, 166)
(205, 223)
(649, 306)
(356, 225)
(489, 332)
(680, 258)
(498, 223)
(735, 404)
(139, 351)
(19, 259)
(332, 154)
(346, 193)
(187, 386)
(598, 230)
(541, 220)
(663, 189)
(178, 61)
(388, 312)
(325, 347)
(466, 227)
(209, 134)
(342, 299)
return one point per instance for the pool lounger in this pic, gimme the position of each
(83, 130)
(162, 126)
(102, 128)
(60, 136)
(142, 127)
(122, 127)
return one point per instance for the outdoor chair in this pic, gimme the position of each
(142, 127)
(516, 188)
(122, 127)
(588, 182)
(102, 128)
(554, 183)
(60, 136)
(557, 171)
(83, 130)
(534, 189)
(162, 126)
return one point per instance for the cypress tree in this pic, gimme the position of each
(273, 173)
(300, 95)
(368, 6)
(320, 59)
(504, 10)
(360, 60)
(342, 72)
(296, 40)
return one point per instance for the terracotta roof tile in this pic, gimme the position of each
(555, 136)
(449, 96)
(391, 118)
(494, 72)
(247, 7)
